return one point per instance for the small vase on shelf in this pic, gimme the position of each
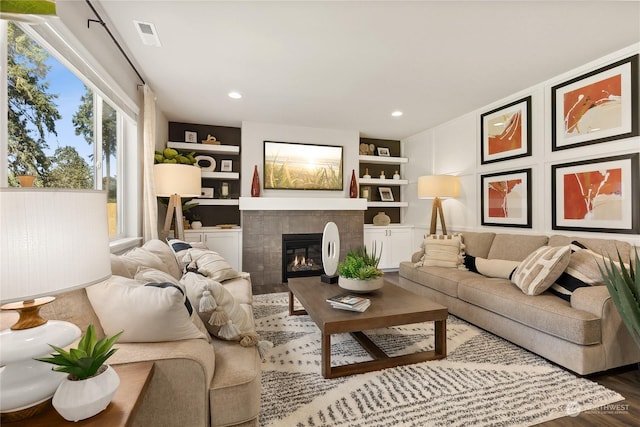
(255, 184)
(353, 188)
(396, 175)
(366, 174)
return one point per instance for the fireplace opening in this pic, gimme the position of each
(301, 255)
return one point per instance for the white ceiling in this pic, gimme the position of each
(348, 65)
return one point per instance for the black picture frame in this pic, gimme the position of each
(508, 119)
(492, 186)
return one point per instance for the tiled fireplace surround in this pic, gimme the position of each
(262, 232)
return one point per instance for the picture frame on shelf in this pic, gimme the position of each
(226, 166)
(598, 195)
(386, 195)
(190, 136)
(506, 198)
(383, 151)
(505, 132)
(206, 192)
(596, 107)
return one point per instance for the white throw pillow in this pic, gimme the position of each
(209, 263)
(442, 251)
(144, 313)
(180, 249)
(537, 272)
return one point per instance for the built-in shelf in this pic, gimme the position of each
(216, 202)
(221, 175)
(204, 148)
(388, 204)
(382, 160)
(383, 182)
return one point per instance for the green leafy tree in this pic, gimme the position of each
(69, 170)
(83, 123)
(32, 110)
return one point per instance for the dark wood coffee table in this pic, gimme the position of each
(390, 306)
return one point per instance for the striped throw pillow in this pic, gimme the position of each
(541, 268)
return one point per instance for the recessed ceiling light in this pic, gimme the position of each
(397, 113)
(235, 95)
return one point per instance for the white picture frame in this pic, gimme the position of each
(226, 165)
(190, 136)
(383, 152)
(386, 195)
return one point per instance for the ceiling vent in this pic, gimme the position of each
(147, 33)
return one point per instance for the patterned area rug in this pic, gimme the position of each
(484, 380)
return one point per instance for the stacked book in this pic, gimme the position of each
(349, 301)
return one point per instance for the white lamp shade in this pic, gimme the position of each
(51, 241)
(438, 186)
(173, 178)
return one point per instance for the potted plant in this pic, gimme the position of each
(359, 271)
(91, 384)
(624, 286)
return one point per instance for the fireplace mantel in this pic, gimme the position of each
(301, 204)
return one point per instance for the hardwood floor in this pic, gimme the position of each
(625, 381)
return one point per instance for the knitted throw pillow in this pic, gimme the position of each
(541, 268)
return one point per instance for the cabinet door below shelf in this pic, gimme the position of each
(224, 242)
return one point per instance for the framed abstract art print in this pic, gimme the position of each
(505, 133)
(506, 198)
(597, 195)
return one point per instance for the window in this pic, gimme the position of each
(60, 128)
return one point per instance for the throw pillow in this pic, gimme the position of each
(209, 263)
(150, 275)
(144, 313)
(582, 271)
(180, 249)
(537, 272)
(442, 251)
(501, 268)
(222, 315)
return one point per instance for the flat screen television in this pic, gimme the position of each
(299, 166)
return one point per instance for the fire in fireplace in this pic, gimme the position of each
(301, 255)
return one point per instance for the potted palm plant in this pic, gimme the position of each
(91, 383)
(359, 271)
(624, 286)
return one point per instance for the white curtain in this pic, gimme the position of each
(149, 201)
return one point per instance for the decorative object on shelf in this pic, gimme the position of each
(396, 175)
(436, 187)
(206, 163)
(366, 149)
(176, 181)
(330, 252)
(211, 140)
(191, 137)
(227, 226)
(224, 190)
(366, 174)
(26, 180)
(359, 272)
(90, 384)
(255, 183)
(506, 198)
(226, 166)
(196, 225)
(386, 195)
(505, 132)
(171, 155)
(366, 193)
(55, 223)
(381, 219)
(596, 107)
(206, 192)
(353, 187)
(599, 195)
(382, 175)
(384, 152)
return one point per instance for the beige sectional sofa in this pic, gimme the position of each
(585, 334)
(195, 382)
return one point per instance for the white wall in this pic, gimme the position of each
(454, 148)
(251, 153)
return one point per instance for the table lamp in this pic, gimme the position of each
(51, 241)
(436, 187)
(175, 181)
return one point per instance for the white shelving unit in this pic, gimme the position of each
(387, 204)
(216, 202)
(221, 175)
(382, 160)
(204, 148)
(382, 182)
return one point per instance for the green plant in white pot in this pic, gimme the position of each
(624, 286)
(359, 271)
(91, 383)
